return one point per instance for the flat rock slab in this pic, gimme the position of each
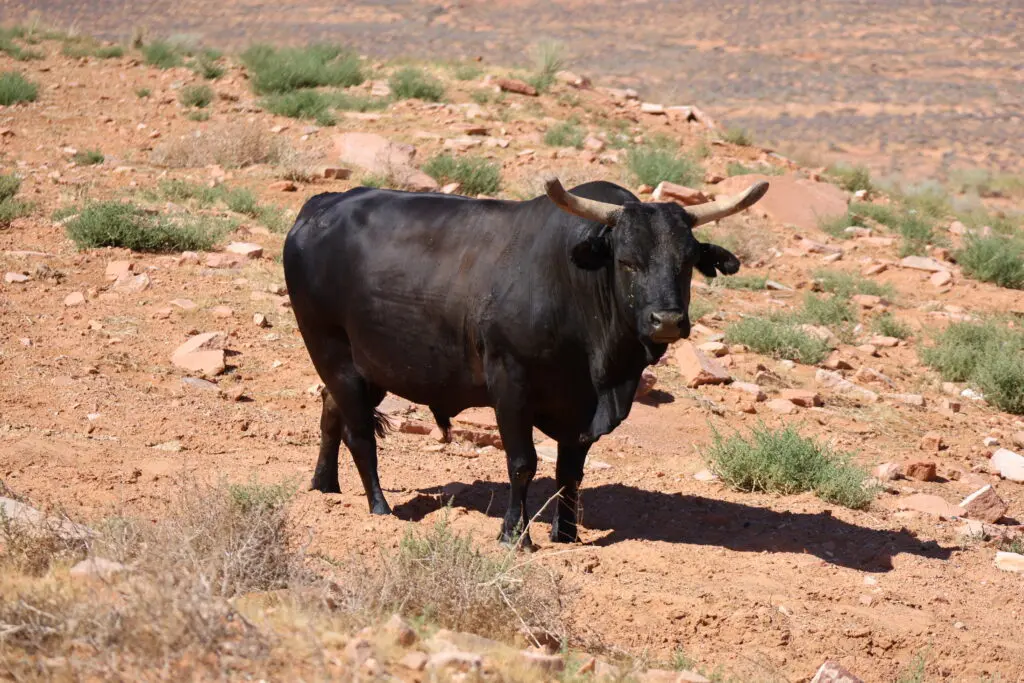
(791, 199)
(1007, 464)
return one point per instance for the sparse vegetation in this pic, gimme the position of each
(656, 161)
(348, 102)
(15, 51)
(231, 146)
(738, 136)
(749, 282)
(301, 104)
(699, 308)
(481, 97)
(473, 174)
(565, 134)
(10, 206)
(412, 82)
(467, 71)
(198, 115)
(851, 178)
(549, 59)
(14, 88)
(114, 224)
(198, 96)
(162, 54)
(997, 259)
(207, 66)
(917, 233)
(240, 200)
(274, 70)
(783, 462)
(888, 326)
(78, 49)
(844, 285)
(988, 355)
(143, 92)
(88, 157)
(734, 168)
(779, 338)
(830, 311)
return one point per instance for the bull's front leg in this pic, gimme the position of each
(568, 475)
(516, 428)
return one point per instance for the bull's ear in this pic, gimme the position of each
(593, 252)
(714, 258)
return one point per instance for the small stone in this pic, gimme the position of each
(132, 283)
(414, 661)
(888, 471)
(1009, 562)
(246, 249)
(941, 278)
(922, 471)
(801, 397)
(260, 320)
(705, 475)
(781, 406)
(223, 260)
(450, 188)
(117, 269)
(74, 299)
(831, 672)
(922, 263)
(949, 407)
(714, 348)
(173, 446)
(337, 173)
(866, 300)
(697, 369)
(907, 399)
(399, 631)
(875, 269)
(1007, 464)
(884, 342)
(282, 186)
(15, 278)
(671, 192)
(202, 354)
(932, 442)
(984, 504)
(222, 312)
(931, 505)
(990, 441)
(516, 86)
(454, 659)
(647, 381)
(750, 388)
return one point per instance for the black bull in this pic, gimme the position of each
(548, 310)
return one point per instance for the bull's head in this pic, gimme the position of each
(653, 252)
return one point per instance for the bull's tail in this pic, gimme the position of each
(382, 424)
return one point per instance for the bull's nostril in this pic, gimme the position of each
(656, 318)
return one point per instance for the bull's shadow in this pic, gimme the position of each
(628, 512)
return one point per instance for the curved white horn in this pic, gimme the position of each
(727, 206)
(591, 209)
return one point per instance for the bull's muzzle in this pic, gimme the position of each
(669, 326)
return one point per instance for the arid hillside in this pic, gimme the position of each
(831, 468)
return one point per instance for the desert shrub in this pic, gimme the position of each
(301, 104)
(411, 82)
(182, 191)
(88, 157)
(281, 70)
(783, 462)
(987, 355)
(734, 168)
(997, 259)
(888, 326)
(113, 224)
(348, 102)
(143, 92)
(109, 52)
(162, 54)
(851, 178)
(14, 88)
(836, 227)
(549, 59)
(654, 162)
(196, 95)
(15, 51)
(565, 134)
(779, 338)
(917, 232)
(699, 308)
(198, 115)
(466, 71)
(475, 175)
(10, 206)
(207, 66)
(231, 146)
(845, 285)
(834, 311)
(749, 282)
(76, 49)
(480, 96)
(738, 136)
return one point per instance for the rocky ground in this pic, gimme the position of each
(100, 416)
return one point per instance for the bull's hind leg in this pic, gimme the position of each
(356, 400)
(516, 428)
(325, 476)
(568, 475)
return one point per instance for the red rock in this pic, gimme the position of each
(260, 320)
(984, 504)
(1009, 562)
(801, 397)
(831, 672)
(697, 369)
(932, 442)
(750, 388)
(246, 249)
(907, 399)
(208, 363)
(931, 505)
(941, 278)
(884, 342)
(222, 312)
(451, 188)
(541, 661)
(572, 79)
(74, 299)
(414, 661)
(208, 341)
(282, 186)
(922, 471)
(781, 406)
(1007, 464)
(117, 269)
(889, 471)
(132, 283)
(875, 269)
(516, 86)
(647, 381)
(184, 304)
(331, 173)
(670, 192)
(223, 260)
(714, 348)
(792, 199)
(652, 108)
(15, 278)
(922, 263)
(949, 407)
(834, 362)
(866, 300)
(593, 144)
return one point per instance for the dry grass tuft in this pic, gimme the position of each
(230, 146)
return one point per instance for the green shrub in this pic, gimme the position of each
(10, 206)
(851, 178)
(888, 326)
(411, 82)
(15, 51)
(565, 134)
(467, 71)
(779, 338)
(9, 186)
(784, 463)
(88, 157)
(987, 355)
(196, 95)
(181, 191)
(475, 175)
(143, 92)
(886, 215)
(14, 89)
(699, 308)
(480, 96)
(276, 70)
(917, 233)
(206, 66)
(750, 282)
(240, 200)
(109, 52)
(347, 102)
(652, 163)
(301, 104)
(113, 224)
(162, 54)
(845, 285)
(836, 227)
(738, 136)
(995, 259)
(198, 115)
(734, 168)
(549, 59)
(834, 311)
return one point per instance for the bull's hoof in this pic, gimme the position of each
(380, 508)
(324, 486)
(564, 533)
(517, 542)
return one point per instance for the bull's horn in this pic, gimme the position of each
(591, 209)
(727, 206)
